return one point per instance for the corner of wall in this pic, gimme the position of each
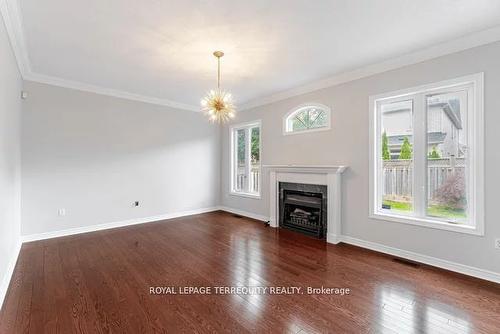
(4, 285)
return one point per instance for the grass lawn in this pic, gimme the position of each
(434, 210)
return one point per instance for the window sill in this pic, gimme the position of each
(429, 223)
(247, 195)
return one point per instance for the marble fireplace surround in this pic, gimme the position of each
(331, 176)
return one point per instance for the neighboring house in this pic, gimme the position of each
(444, 123)
(434, 139)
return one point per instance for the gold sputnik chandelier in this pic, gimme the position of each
(218, 104)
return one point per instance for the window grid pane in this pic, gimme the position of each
(443, 142)
(240, 166)
(446, 156)
(307, 118)
(396, 157)
(255, 160)
(246, 160)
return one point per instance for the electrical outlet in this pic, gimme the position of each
(497, 243)
(136, 203)
(61, 212)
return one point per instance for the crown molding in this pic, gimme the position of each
(465, 42)
(13, 22)
(55, 81)
(11, 14)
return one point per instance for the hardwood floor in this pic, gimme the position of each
(100, 283)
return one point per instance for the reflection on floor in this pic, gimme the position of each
(401, 313)
(99, 282)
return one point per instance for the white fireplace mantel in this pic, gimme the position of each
(310, 174)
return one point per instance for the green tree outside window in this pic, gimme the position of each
(434, 154)
(406, 150)
(386, 155)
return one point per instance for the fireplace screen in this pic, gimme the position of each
(303, 211)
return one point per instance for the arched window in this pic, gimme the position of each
(307, 117)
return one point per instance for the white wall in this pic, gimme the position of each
(10, 113)
(95, 155)
(347, 144)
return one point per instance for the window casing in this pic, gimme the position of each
(308, 117)
(246, 159)
(426, 155)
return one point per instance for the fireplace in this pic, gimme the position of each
(330, 177)
(303, 208)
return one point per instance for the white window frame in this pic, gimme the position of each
(232, 129)
(475, 161)
(291, 113)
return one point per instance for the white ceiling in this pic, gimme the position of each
(163, 49)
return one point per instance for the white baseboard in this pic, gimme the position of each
(333, 238)
(433, 261)
(444, 264)
(9, 272)
(452, 266)
(99, 227)
(54, 234)
(244, 213)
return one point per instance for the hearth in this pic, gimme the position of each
(303, 208)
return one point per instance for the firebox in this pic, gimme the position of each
(303, 208)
